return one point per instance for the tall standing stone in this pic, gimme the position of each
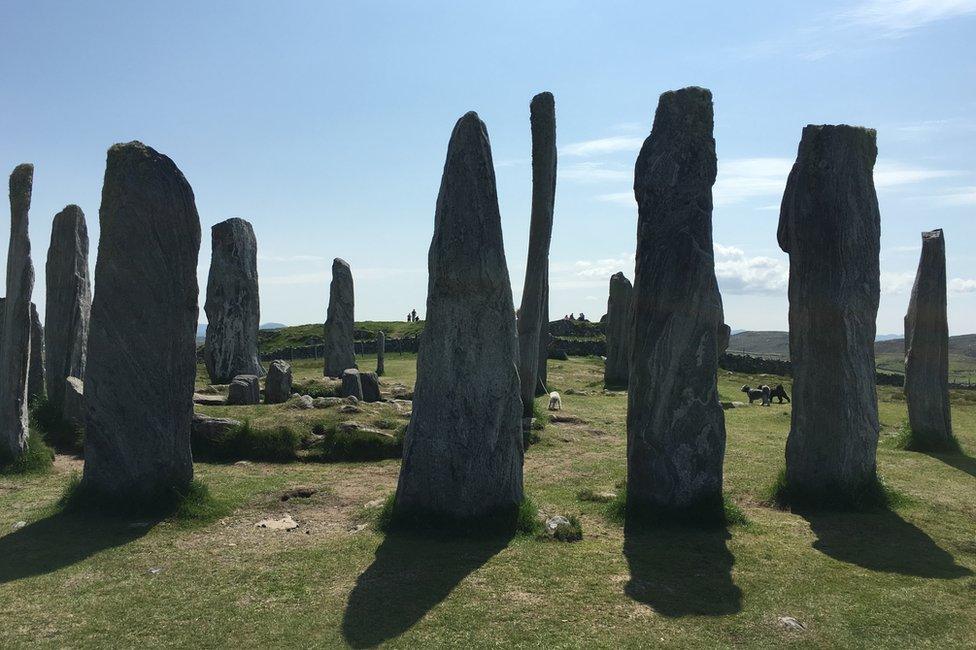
(542, 377)
(340, 352)
(462, 453)
(35, 374)
(542, 116)
(142, 338)
(830, 226)
(616, 370)
(68, 302)
(16, 333)
(675, 424)
(380, 353)
(927, 349)
(233, 307)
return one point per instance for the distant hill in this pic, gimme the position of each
(772, 345)
(272, 326)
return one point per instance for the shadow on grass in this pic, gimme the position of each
(960, 461)
(409, 576)
(881, 540)
(680, 570)
(61, 540)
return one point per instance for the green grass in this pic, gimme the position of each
(38, 458)
(277, 444)
(57, 432)
(356, 445)
(523, 520)
(896, 577)
(908, 441)
(874, 495)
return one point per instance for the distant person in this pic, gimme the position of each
(414, 314)
(582, 317)
(408, 317)
(572, 316)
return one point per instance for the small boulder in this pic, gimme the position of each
(208, 428)
(301, 402)
(370, 383)
(277, 383)
(243, 390)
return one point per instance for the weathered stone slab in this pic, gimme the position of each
(351, 384)
(616, 370)
(244, 390)
(927, 349)
(142, 336)
(340, 352)
(675, 424)
(380, 353)
(277, 383)
(371, 386)
(74, 401)
(35, 373)
(233, 307)
(830, 226)
(68, 302)
(463, 448)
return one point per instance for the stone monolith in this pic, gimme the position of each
(370, 383)
(35, 373)
(277, 383)
(542, 376)
(463, 451)
(340, 352)
(675, 423)
(233, 307)
(244, 390)
(141, 362)
(380, 354)
(15, 340)
(927, 349)
(830, 227)
(542, 116)
(68, 302)
(616, 369)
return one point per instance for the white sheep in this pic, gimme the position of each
(555, 401)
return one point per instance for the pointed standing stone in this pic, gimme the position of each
(142, 338)
(380, 354)
(462, 453)
(233, 306)
(340, 353)
(35, 375)
(830, 226)
(616, 370)
(675, 424)
(16, 333)
(68, 302)
(927, 349)
(542, 112)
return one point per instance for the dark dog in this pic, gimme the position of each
(780, 393)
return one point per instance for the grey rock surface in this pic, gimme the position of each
(233, 307)
(142, 332)
(380, 353)
(542, 375)
(35, 373)
(370, 382)
(277, 383)
(210, 428)
(15, 335)
(463, 448)
(351, 384)
(616, 369)
(244, 390)
(675, 424)
(927, 348)
(542, 115)
(73, 401)
(830, 226)
(340, 352)
(68, 302)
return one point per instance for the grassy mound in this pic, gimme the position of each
(58, 432)
(908, 440)
(37, 460)
(246, 442)
(351, 445)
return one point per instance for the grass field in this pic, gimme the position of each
(898, 578)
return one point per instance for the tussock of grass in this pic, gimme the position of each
(523, 521)
(907, 440)
(356, 445)
(876, 495)
(57, 431)
(194, 503)
(246, 442)
(37, 460)
(704, 515)
(314, 389)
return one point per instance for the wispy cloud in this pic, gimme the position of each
(959, 196)
(889, 174)
(961, 285)
(618, 198)
(594, 172)
(746, 178)
(896, 18)
(324, 277)
(291, 258)
(603, 146)
(739, 273)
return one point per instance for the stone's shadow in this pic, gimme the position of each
(61, 540)
(960, 461)
(881, 541)
(410, 575)
(681, 571)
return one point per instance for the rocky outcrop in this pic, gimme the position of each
(675, 424)
(340, 352)
(542, 112)
(830, 227)
(277, 383)
(233, 307)
(927, 349)
(142, 336)
(244, 390)
(35, 373)
(68, 302)
(463, 448)
(616, 369)
(15, 336)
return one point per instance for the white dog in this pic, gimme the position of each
(555, 402)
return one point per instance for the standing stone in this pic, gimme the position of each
(74, 401)
(142, 337)
(675, 423)
(380, 353)
(340, 352)
(830, 226)
(616, 370)
(462, 452)
(542, 115)
(542, 377)
(233, 307)
(15, 342)
(35, 374)
(68, 302)
(244, 390)
(370, 383)
(277, 383)
(927, 349)
(352, 385)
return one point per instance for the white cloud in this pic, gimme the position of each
(738, 273)
(606, 267)
(896, 282)
(594, 172)
(740, 179)
(889, 173)
(324, 277)
(896, 18)
(962, 285)
(619, 198)
(960, 196)
(603, 146)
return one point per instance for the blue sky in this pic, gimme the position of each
(326, 125)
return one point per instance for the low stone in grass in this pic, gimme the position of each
(352, 385)
(370, 383)
(564, 529)
(244, 390)
(277, 383)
